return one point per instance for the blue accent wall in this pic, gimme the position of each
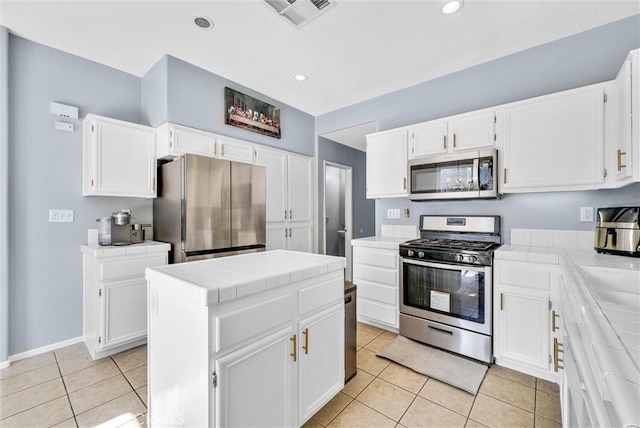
(195, 98)
(589, 57)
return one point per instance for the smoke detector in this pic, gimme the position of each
(301, 12)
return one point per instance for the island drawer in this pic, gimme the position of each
(252, 321)
(320, 295)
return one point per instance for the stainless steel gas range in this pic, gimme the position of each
(446, 284)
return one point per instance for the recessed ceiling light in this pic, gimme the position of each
(203, 22)
(300, 77)
(451, 6)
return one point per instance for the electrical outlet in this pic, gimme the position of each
(393, 213)
(60, 216)
(586, 214)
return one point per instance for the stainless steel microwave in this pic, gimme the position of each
(463, 175)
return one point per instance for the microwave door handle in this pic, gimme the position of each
(476, 167)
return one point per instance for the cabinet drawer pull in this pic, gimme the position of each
(306, 341)
(554, 327)
(294, 347)
(557, 348)
(620, 165)
(501, 301)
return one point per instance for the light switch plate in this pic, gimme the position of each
(60, 216)
(393, 213)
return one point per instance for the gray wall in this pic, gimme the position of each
(4, 197)
(195, 98)
(154, 93)
(363, 208)
(586, 58)
(45, 170)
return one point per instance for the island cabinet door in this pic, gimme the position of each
(256, 385)
(321, 372)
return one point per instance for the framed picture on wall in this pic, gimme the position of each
(251, 114)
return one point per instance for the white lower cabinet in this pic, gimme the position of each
(115, 295)
(271, 359)
(238, 384)
(375, 272)
(523, 302)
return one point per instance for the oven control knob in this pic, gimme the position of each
(410, 253)
(473, 259)
(421, 254)
(458, 258)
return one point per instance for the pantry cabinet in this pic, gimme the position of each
(289, 204)
(376, 272)
(115, 295)
(176, 140)
(118, 158)
(553, 142)
(524, 293)
(386, 159)
(456, 133)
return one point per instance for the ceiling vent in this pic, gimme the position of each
(301, 12)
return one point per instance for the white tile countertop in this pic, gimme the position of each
(229, 278)
(390, 238)
(600, 300)
(146, 247)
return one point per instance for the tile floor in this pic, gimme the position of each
(385, 394)
(66, 388)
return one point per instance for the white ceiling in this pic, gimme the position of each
(358, 50)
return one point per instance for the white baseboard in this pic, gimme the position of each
(42, 350)
(4, 364)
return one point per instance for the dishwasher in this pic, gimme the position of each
(350, 363)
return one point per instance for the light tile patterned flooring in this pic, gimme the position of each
(66, 388)
(385, 394)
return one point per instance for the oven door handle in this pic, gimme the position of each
(445, 266)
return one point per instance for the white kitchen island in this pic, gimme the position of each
(249, 340)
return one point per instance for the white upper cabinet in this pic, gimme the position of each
(275, 163)
(462, 132)
(234, 150)
(177, 140)
(119, 158)
(387, 164)
(553, 142)
(623, 149)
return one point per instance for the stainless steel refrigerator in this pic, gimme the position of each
(209, 208)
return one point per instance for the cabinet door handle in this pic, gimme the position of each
(306, 341)
(215, 148)
(504, 176)
(294, 348)
(444, 140)
(620, 165)
(557, 348)
(290, 214)
(553, 321)
(153, 185)
(501, 301)
(222, 149)
(405, 183)
(454, 140)
(285, 233)
(290, 234)
(285, 214)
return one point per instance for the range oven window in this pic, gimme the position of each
(455, 292)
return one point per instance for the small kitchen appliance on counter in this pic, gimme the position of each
(446, 285)
(120, 228)
(618, 231)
